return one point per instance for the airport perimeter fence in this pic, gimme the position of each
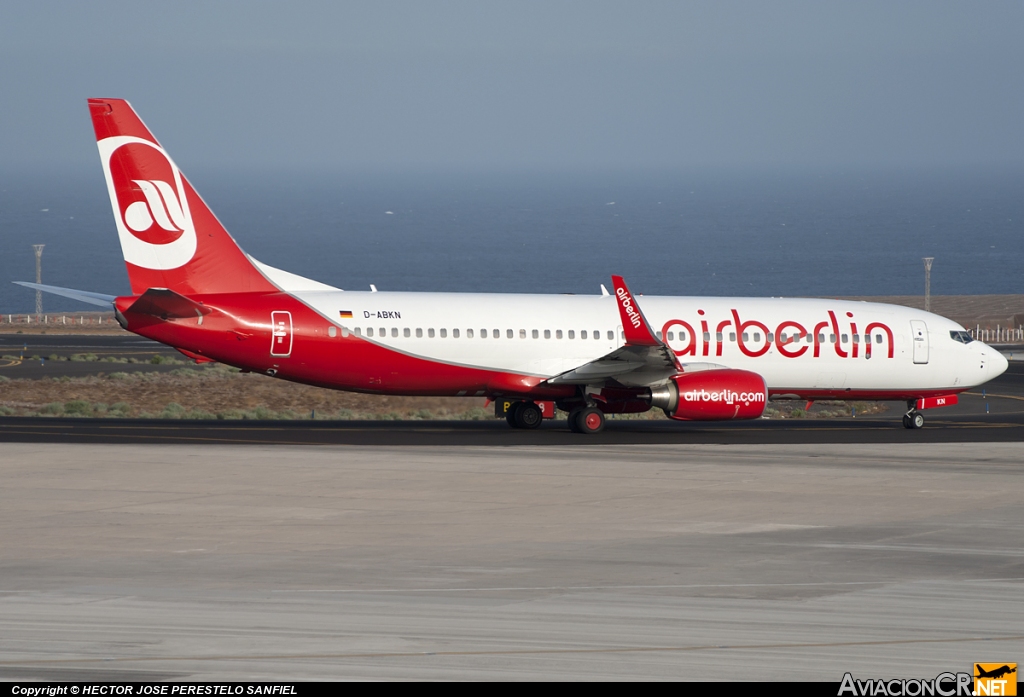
(999, 335)
(77, 319)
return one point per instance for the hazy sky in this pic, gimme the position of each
(510, 85)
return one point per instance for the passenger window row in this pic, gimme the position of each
(407, 333)
(785, 337)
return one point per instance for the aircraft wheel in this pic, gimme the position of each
(574, 425)
(906, 421)
(590, 420)
(510, 415)
(528, 415)
(917, 420)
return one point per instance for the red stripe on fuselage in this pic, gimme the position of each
(865, 394)
(238, 332)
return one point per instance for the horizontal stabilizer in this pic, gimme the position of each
(166, 304)
(81, 295)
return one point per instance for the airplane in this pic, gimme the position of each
(695, 358)
(995, 673)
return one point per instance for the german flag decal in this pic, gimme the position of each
(345, 314)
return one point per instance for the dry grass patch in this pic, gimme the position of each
(217, 392)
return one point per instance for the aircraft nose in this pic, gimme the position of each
(997, 364)
(993, 363)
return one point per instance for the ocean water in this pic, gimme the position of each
(759, 233)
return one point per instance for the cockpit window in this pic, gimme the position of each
(962, 337)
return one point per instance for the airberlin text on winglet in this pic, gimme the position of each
(627, 306)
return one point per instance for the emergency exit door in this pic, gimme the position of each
(919, 333)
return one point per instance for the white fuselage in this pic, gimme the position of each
(797, 345)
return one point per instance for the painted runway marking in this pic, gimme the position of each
(922, 549)
(512, 652)
(506, 589)
(484, 589)
(999, 396)
(419, 428)
(356, 433)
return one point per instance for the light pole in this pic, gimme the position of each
(928, 283)
(39, 279)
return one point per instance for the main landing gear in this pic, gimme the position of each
(525, 415)
(588, 420)
(913, 419)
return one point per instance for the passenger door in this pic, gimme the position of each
(919, 334)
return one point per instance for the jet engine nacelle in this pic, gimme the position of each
(712, 395)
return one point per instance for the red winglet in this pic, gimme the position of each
(634, 324)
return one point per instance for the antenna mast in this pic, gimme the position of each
(39, 279)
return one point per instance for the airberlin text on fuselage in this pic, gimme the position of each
(792, 339)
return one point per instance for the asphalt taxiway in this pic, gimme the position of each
(1001, 428)
(32, 356)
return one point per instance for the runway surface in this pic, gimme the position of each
(1004, 428)
(704, 562)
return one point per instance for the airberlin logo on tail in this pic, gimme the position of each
(151, 209)
(627, 306)
(161, 206)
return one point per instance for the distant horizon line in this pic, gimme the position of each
(75, 168)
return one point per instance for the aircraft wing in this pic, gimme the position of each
(643, 360)
(84, 296)
(629, 365)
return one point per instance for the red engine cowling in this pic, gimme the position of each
(714, 395)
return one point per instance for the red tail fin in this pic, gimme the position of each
(170, 239)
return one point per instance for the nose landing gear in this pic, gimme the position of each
(913, 419)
